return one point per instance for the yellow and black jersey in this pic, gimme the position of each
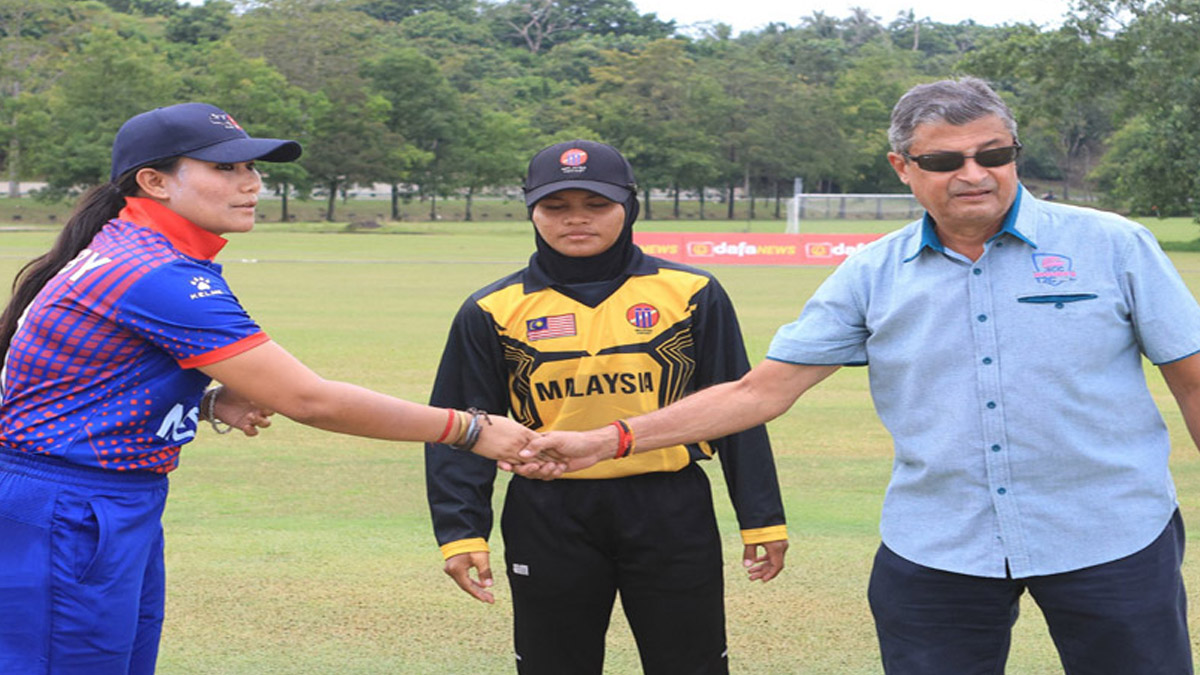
(578, 357)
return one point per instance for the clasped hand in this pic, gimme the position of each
(544, 456)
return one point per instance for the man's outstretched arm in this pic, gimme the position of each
(761, 395)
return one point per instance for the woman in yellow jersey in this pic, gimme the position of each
(590, 332)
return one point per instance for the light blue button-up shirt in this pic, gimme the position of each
(1012, 385)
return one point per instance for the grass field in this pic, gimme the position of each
(306, 552)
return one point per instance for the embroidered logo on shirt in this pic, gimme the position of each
(520, 569)
(642, 315)
(546, 327)
(204, 288)
(1052, 269)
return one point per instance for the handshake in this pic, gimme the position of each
(547, 456)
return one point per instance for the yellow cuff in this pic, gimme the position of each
(762, 535)
(476, 545)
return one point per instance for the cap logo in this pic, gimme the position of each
(224, 120)
(573, 157)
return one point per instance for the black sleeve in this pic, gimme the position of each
(471, 374)
(746, 457)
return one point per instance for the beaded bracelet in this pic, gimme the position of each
(208, 405)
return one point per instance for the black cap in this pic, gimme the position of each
(197, 130)
(579, 165)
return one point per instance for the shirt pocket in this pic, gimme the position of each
(1058, 300)
(1077, 320)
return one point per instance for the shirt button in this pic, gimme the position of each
(991, 405)
(1058, 305)
(982, 318)
(1001, 491)
(977, 271)
(987, 360)
(996, 448)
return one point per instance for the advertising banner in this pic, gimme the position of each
(706, 248)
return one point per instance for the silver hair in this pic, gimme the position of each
(956, 102)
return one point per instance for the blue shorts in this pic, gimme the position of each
(81, 568)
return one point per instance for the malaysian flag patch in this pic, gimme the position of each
(545, 327)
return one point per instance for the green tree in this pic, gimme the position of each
(878, 75)
(538, 25)
(642, 104)
(425, 112)
(1155, 47)
(319, 47)
(1063, 83)
(194, 24)
(33, 39)
(492, 151)
(399, 10)
(99, 88)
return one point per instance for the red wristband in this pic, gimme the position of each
(624, 439)
(449, 425)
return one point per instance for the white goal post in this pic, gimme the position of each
(812, 206)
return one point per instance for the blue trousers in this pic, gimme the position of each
(1125, 617)
(81, 568)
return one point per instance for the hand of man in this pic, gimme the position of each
(458, 567)
(541, 468)
(767, 566)
(577, 449)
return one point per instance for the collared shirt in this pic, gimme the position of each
(101, 371)
(1012, 386)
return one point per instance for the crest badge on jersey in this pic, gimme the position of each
(642, 315)
(1052, 269)
(546, 327)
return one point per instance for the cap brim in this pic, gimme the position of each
(248, 149)
(614, 192)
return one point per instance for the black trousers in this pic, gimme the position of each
(1125, 617)
(572, 545)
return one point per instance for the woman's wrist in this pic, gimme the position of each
(463, 429)
(208, 410)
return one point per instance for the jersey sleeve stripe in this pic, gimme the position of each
(228, 351)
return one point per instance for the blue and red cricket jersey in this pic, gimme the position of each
(102, 369)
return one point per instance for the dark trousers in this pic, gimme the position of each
(1126, 617)
(572, 545)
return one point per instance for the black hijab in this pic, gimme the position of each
(595, 167)
(607, 265)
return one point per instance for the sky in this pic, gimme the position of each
(745, 15)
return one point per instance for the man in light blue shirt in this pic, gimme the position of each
(1003, 337)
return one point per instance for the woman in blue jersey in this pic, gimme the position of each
(107, 345)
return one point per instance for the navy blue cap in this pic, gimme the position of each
(197, 130)
(579, 165)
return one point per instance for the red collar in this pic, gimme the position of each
(181, 232)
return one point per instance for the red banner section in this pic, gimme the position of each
(704, 248)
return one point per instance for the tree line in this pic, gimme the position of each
(450, 97)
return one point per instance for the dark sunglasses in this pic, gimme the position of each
(952, 161)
